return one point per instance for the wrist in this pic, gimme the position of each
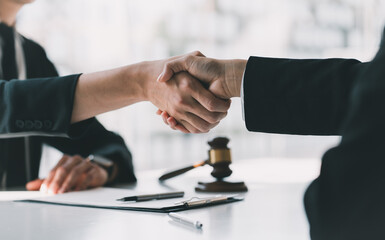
(135, 82)
(234, 70)
(106, 165)
(142, 77)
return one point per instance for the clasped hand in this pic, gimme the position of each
(72, 173)
(222, 78)
(186, 98)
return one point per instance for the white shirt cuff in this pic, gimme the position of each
(242, 97)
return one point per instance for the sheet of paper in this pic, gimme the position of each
(106, 197)
(19, 195)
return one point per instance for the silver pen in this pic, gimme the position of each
(178, 218)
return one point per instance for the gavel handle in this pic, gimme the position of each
(181, 171)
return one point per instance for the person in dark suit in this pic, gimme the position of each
(318, 97)
(22, 58)
(58, 111)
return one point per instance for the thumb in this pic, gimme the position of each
(171, 68)
(34, 185)
(178, 64)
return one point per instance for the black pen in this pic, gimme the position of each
(148, 197)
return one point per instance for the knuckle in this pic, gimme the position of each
(213, 118)
(168, 65)
(204, 127)
(185, 83)
(211, 105)
(196, 53)
(51, 174)
(189, 57)
(77, 158)
(75, 172)
(62, 170)
(90, 164)
(179, 100)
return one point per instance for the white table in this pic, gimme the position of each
(273, 209)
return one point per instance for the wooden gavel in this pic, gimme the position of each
(219, 159)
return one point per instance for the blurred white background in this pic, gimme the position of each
(92, 35)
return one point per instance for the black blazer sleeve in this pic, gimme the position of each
(40, 106)
(298, 96)
(87, 137)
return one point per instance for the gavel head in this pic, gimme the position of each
(220, 157)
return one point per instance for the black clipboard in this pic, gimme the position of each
(105, 198)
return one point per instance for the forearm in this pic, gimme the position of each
(107, 90)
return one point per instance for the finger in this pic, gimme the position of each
(86, 181)
(202, 113)
(51, 174)
(172, 67)
(178, 65)
(198, 116)
(99, 177)
(159, 112)
(34, 185)
(181, 128)
(176, 126)
(207, 99)
(172, 122)
(62, 172)
(75, 174)
(203, 103)
(164, 117)
(190, 128)
(190, 89)
(198, 123)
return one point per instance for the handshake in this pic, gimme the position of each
(209, 82)
(191, 91)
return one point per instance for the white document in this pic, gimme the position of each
(19, 195)
(107, 198)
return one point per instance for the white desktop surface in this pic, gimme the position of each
(273, 209)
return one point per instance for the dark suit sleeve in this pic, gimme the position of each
(87, 137)
(40, 106)
(97, 140)
(347, 201)
(298, 96)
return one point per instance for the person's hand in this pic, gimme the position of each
(184, 97)
(194, 106)
(222, 77)
(72, 173)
